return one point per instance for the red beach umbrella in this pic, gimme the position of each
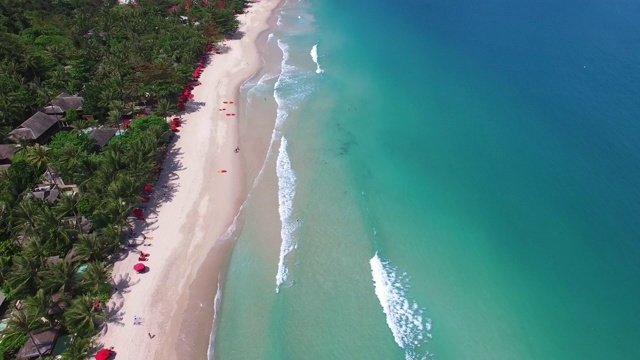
(174, 128)
(137, 212)
(103, 354)
(126, 122)
(176, 119)
(148, 187)
(190, 96)
(139, 267)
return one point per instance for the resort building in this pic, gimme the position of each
(39, 128)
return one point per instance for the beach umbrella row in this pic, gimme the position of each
(186, 93)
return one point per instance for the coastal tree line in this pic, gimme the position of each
(56, 257)
(116, 56)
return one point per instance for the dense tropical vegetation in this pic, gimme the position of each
(48, 259)
(114, 55)
(119, 58)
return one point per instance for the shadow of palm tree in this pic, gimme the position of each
(115, 316)
(123, 283)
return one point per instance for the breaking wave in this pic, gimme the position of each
(405, 317)
(314, 56)
(286, 193)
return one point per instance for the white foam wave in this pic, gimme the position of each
(216, 308)
(404, 317)
(286, 193)
(269, 37)
(314, 56)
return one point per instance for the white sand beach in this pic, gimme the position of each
(192, 208)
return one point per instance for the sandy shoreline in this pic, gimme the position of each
(189, 217)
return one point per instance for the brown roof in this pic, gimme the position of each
(6, 151)
(39, 342)
(102, 136)
(63, 103)
(34, 126)
(49, 195)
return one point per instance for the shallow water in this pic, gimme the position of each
(465, 185)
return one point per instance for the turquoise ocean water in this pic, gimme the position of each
(446, 179)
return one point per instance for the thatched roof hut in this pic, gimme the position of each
(6, 153)
(101, 137)
(39, 343)
(38, 128)
(63, 103)
(48, 195)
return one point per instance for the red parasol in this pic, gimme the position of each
(148, 187)
(137, 212)
(190, 96)
(126, 122)
(103, 354)
(139, 267)
(174, 128)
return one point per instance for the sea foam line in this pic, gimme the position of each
(216, 308)
(404, 317)
(314, 56)
(286, 193)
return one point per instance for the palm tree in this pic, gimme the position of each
(82, 318)
(67, 205)
(112, 212)
(55, 234)
(35, 249)
(55, 52)
(29, 64)
(124, 187)
(22, 145)
(25, 216)
(113, 117)
(165, 108)
(23, 277)
(77, 348)
(88, 247)
(96, 277)
(20, 323)
(59, 277)
(38, 305)
(37, 155)
(9, 110)
(81, 124)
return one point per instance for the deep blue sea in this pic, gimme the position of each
(446, 179)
